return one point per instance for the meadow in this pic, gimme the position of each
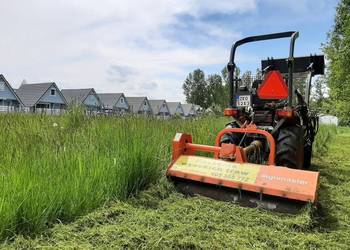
(161, 218)
(53, 169)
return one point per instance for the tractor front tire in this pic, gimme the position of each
(290, 147)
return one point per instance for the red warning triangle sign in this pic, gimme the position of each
(273, 87)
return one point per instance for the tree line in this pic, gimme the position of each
(212, 91)
(337, 79)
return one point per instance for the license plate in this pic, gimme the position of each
(243, 101)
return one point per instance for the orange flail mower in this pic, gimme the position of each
(229, 168)
(262, 157)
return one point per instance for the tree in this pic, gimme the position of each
(258, 74)
(224, 76)
(196, 89)
(247, 79)
(216, 90)
(318, 95)
(212, 92)
(337, 50)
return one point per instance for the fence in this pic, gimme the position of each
(49, 111)
(8, 108)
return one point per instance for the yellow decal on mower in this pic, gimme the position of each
(230, 171)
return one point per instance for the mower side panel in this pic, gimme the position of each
(271, 180)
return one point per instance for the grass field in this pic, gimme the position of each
(103, 160)
(53, 169)
(160, 218)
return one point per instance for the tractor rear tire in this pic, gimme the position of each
(290, 147)
(307, 156)
(231, 138)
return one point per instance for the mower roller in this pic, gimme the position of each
(261, 158)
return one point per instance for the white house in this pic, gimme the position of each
(328, 120)
(189, 110)
(42, 98)
(159, 108)
(139, 105)
(84, 97)
(114, 103)
(175, 108)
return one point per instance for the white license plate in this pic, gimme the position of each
(243, 101)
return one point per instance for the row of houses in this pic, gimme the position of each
(49, 99)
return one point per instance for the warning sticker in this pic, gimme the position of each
(225, 170)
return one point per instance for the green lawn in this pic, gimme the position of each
(160, 218)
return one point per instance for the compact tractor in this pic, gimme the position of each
(262, 158)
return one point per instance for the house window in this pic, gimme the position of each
(145, 103)
(43, 105)
(122, 100)
(53, 92)
(2, 86)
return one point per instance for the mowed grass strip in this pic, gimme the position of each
(53, 169)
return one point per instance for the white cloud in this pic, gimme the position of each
(110, 45)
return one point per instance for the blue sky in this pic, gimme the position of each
(312, 21)
(147, 47)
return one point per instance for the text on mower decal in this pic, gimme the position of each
(284, 179)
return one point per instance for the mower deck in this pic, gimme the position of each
(237, 196)
(271, 180)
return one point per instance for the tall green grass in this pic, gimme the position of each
(322, 141)
(54, 169)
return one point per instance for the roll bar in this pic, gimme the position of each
(231, 64)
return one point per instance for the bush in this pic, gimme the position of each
(325, 134)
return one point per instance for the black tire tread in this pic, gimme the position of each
(290, 147)
(307, 156)
(231, 138)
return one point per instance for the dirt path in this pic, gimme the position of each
(161, 218)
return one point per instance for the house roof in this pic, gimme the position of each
(77, 96)
(135, 102)
(173, 106)
(30, 94)
(156, 105)
(187, 108)
(11, 89)
(110, 99)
